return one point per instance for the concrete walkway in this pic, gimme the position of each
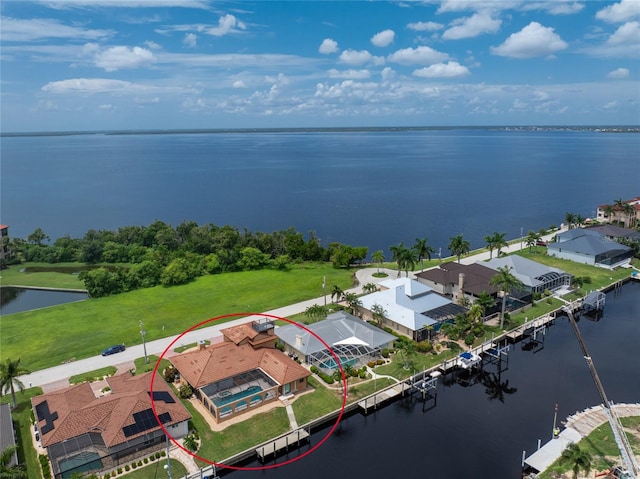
(57, 376)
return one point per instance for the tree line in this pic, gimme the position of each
(145, 256)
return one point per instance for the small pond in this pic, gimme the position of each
(16, 300)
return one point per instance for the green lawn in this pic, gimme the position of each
(15, 276)
(50, 336)
(317, 403)
(156, 470)
(22, 417)
(93, 375)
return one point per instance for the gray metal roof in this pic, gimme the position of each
(591, 243)
(524, 269)
(7, 438)
(339, 328)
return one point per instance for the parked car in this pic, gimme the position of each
(541, 243)
(113, 349)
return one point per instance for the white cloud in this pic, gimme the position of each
(350, 74)
(624, 42)
(146, 100)
(327, 46)
(190, 39)
(106, 106)
(152, 45)
(226, 24)
(239, 84)
(355, 58)
(554, 7)
(534, 40)
(66, 4)
(107, 85)
(442, 70)
(383, 38)
(21, 30)
(611, 105)
(620, 12)
(472, 26)
(422, 55)
(387, 74)
(619, 74)
(116, 58)
(425, 26)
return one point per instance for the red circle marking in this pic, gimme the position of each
(257, 468)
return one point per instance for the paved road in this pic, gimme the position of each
(57, 377)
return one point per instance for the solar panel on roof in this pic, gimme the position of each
(145, 420)
(43, 413)
(162, 396)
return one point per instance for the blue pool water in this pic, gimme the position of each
(331, 363)
(221, 401)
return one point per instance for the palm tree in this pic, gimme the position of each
(486, 301)
(369, 288)
(378, 313)
(532, 239)
(475, 312)
(609, 211)
(489, 239)
(316, 312)
(397, 253)
(337, 293)
(570, 218)
(408, 260)
(499, 242)
(378, 257)
(9, 372)
(578, 458)
(422, 250)
(352, 301)
(16, 471)
(630, 211)
(506, 282)
(580, 220)
(458, 246)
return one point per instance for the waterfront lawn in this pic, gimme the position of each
(421, 362)
(600, 277)
(236, 438)
(602, 447)
(156, 469)
(323, 400)
(48, 337)
(95, 375)
(15, 275)
(22, 418)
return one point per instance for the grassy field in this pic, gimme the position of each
(15, 276)
(156, 470)
(50, 336)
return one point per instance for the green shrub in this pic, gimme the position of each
(424, 347)
(146, 460)
(385, 352)
(371, 364)
(44, 464)
(127, 468)
(134, 465)
(170, 374)
(468, 340)
(379, 362)
(185, 391)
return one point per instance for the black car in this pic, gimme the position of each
(113, 349)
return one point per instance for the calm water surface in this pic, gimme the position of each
(366, 188)
(15, 300)
(468, 434)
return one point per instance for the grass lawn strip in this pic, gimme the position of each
(81, 330)
(22, 415)
(93, 375)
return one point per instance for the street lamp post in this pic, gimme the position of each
(521, 236)
(144, 344)
(324, 288)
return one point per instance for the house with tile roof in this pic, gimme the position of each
(590, 246)
(85, 430)
(618, 215)
(242, 372)
(349, 339)
(412, 308)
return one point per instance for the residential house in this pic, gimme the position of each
(242, 372)
(85, 430)
(411, 308)
(536, 277)
(590, 246)
(4, 241)
(458, 281)
(618, 215)
(341, 335)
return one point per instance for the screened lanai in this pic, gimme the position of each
(353, 341)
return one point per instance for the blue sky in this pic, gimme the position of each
(167, 64)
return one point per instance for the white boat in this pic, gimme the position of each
(467, 360)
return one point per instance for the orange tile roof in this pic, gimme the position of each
(239, 333)
(79, 411)
(225, 360)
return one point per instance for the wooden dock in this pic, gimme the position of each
(537, 323)
(283, 443)
(383, 396)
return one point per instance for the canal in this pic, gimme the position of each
(16, 300)
(481, 425)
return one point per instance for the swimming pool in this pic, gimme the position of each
(331, 363)
(86, 461)
(224, 397)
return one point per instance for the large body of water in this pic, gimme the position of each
(370, 188)
(471, 433)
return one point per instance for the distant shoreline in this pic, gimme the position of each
(593, 128)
